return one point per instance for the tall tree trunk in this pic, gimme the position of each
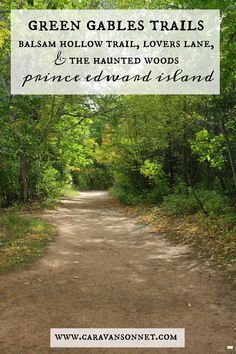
(185, 157)
(200, 203)
(222, 182)
(22, 176)
(229, 150)
(208, 173)
(170, 167)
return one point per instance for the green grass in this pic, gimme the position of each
(23, 239)
(69, 192)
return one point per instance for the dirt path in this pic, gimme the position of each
(106, 270)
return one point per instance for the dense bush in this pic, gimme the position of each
(125, 197)
(178, 204)
(51, 183)
(211, 201)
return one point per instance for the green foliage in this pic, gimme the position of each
(149, 147)
(180, 204)
(51, 183)
(124, 197)
(185, 203)
(209, 149)
(42, 140)
(69, 191)
(152, 170)
(157, 194)
(4, 33)
(214, 202)
(94, 177)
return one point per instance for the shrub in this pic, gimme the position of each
(214, 202)
(123, 196)
(156, 195)
(181, 203)
(51, 183)
(153, 172)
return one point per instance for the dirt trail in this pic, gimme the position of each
(106, 270)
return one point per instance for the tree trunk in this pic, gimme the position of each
(22, 177)
(170, 167)
(185, 167)
(200, 203)
(229, 150)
